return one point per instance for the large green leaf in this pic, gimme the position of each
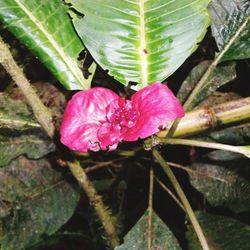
(19, 132)
(231, 27)
(35, 201)
(32, 145)
(222, 233)
(140, 41)
(224, 179)
(236, 135)
(15, 115)
(161, 236)
(45, 27)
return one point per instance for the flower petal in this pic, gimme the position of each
(83, 138)
(83, 116)
(109, 136)
(157, 106)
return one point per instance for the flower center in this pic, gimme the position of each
(124, 116)
(121, 116)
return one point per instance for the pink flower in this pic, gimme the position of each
(99, 119)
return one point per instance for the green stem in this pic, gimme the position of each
(170, 193)
(202, 144)
(150, 208)
(208, 118)
(183, 199)
(166, 189)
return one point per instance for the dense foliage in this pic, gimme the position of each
(150, 186)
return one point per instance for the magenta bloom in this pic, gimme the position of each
(99, 119)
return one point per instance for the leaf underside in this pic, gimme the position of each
(33, 146)
(46, 29)
(19, 132)
(221, 233)
(140, 41)
(15, 115)
(161, 236)
(35, 201)
(223, 179)
(235, 135)
(227, 18)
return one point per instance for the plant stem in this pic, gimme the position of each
(170, 193)
(202, 144)
(166, 189)
(103, 165)
(44, 117)
(42, 113)
(150, 208)
(208, 118)
(183, 199)
(96, 201)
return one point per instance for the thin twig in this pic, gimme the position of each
(195, 172)
(183, 199)
(150, 208)
(103, 164)
(170, 193)
(164, 187)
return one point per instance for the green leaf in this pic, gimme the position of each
(218, 98)
(219, 77)
(46, 29)
(140, 41)
(15, 115)
(137, 237)
(236, 135)
(33, 146)
(221, 232)
(231, 27)
(35, 201)
(20, 133)
(223, 178)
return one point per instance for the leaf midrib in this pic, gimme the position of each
(6, 122)
(143, 47)
(70, 63)
(18, 141)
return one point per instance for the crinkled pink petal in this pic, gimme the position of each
(83, 116)
(83, 139)
(157, 106)
(109, 136)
